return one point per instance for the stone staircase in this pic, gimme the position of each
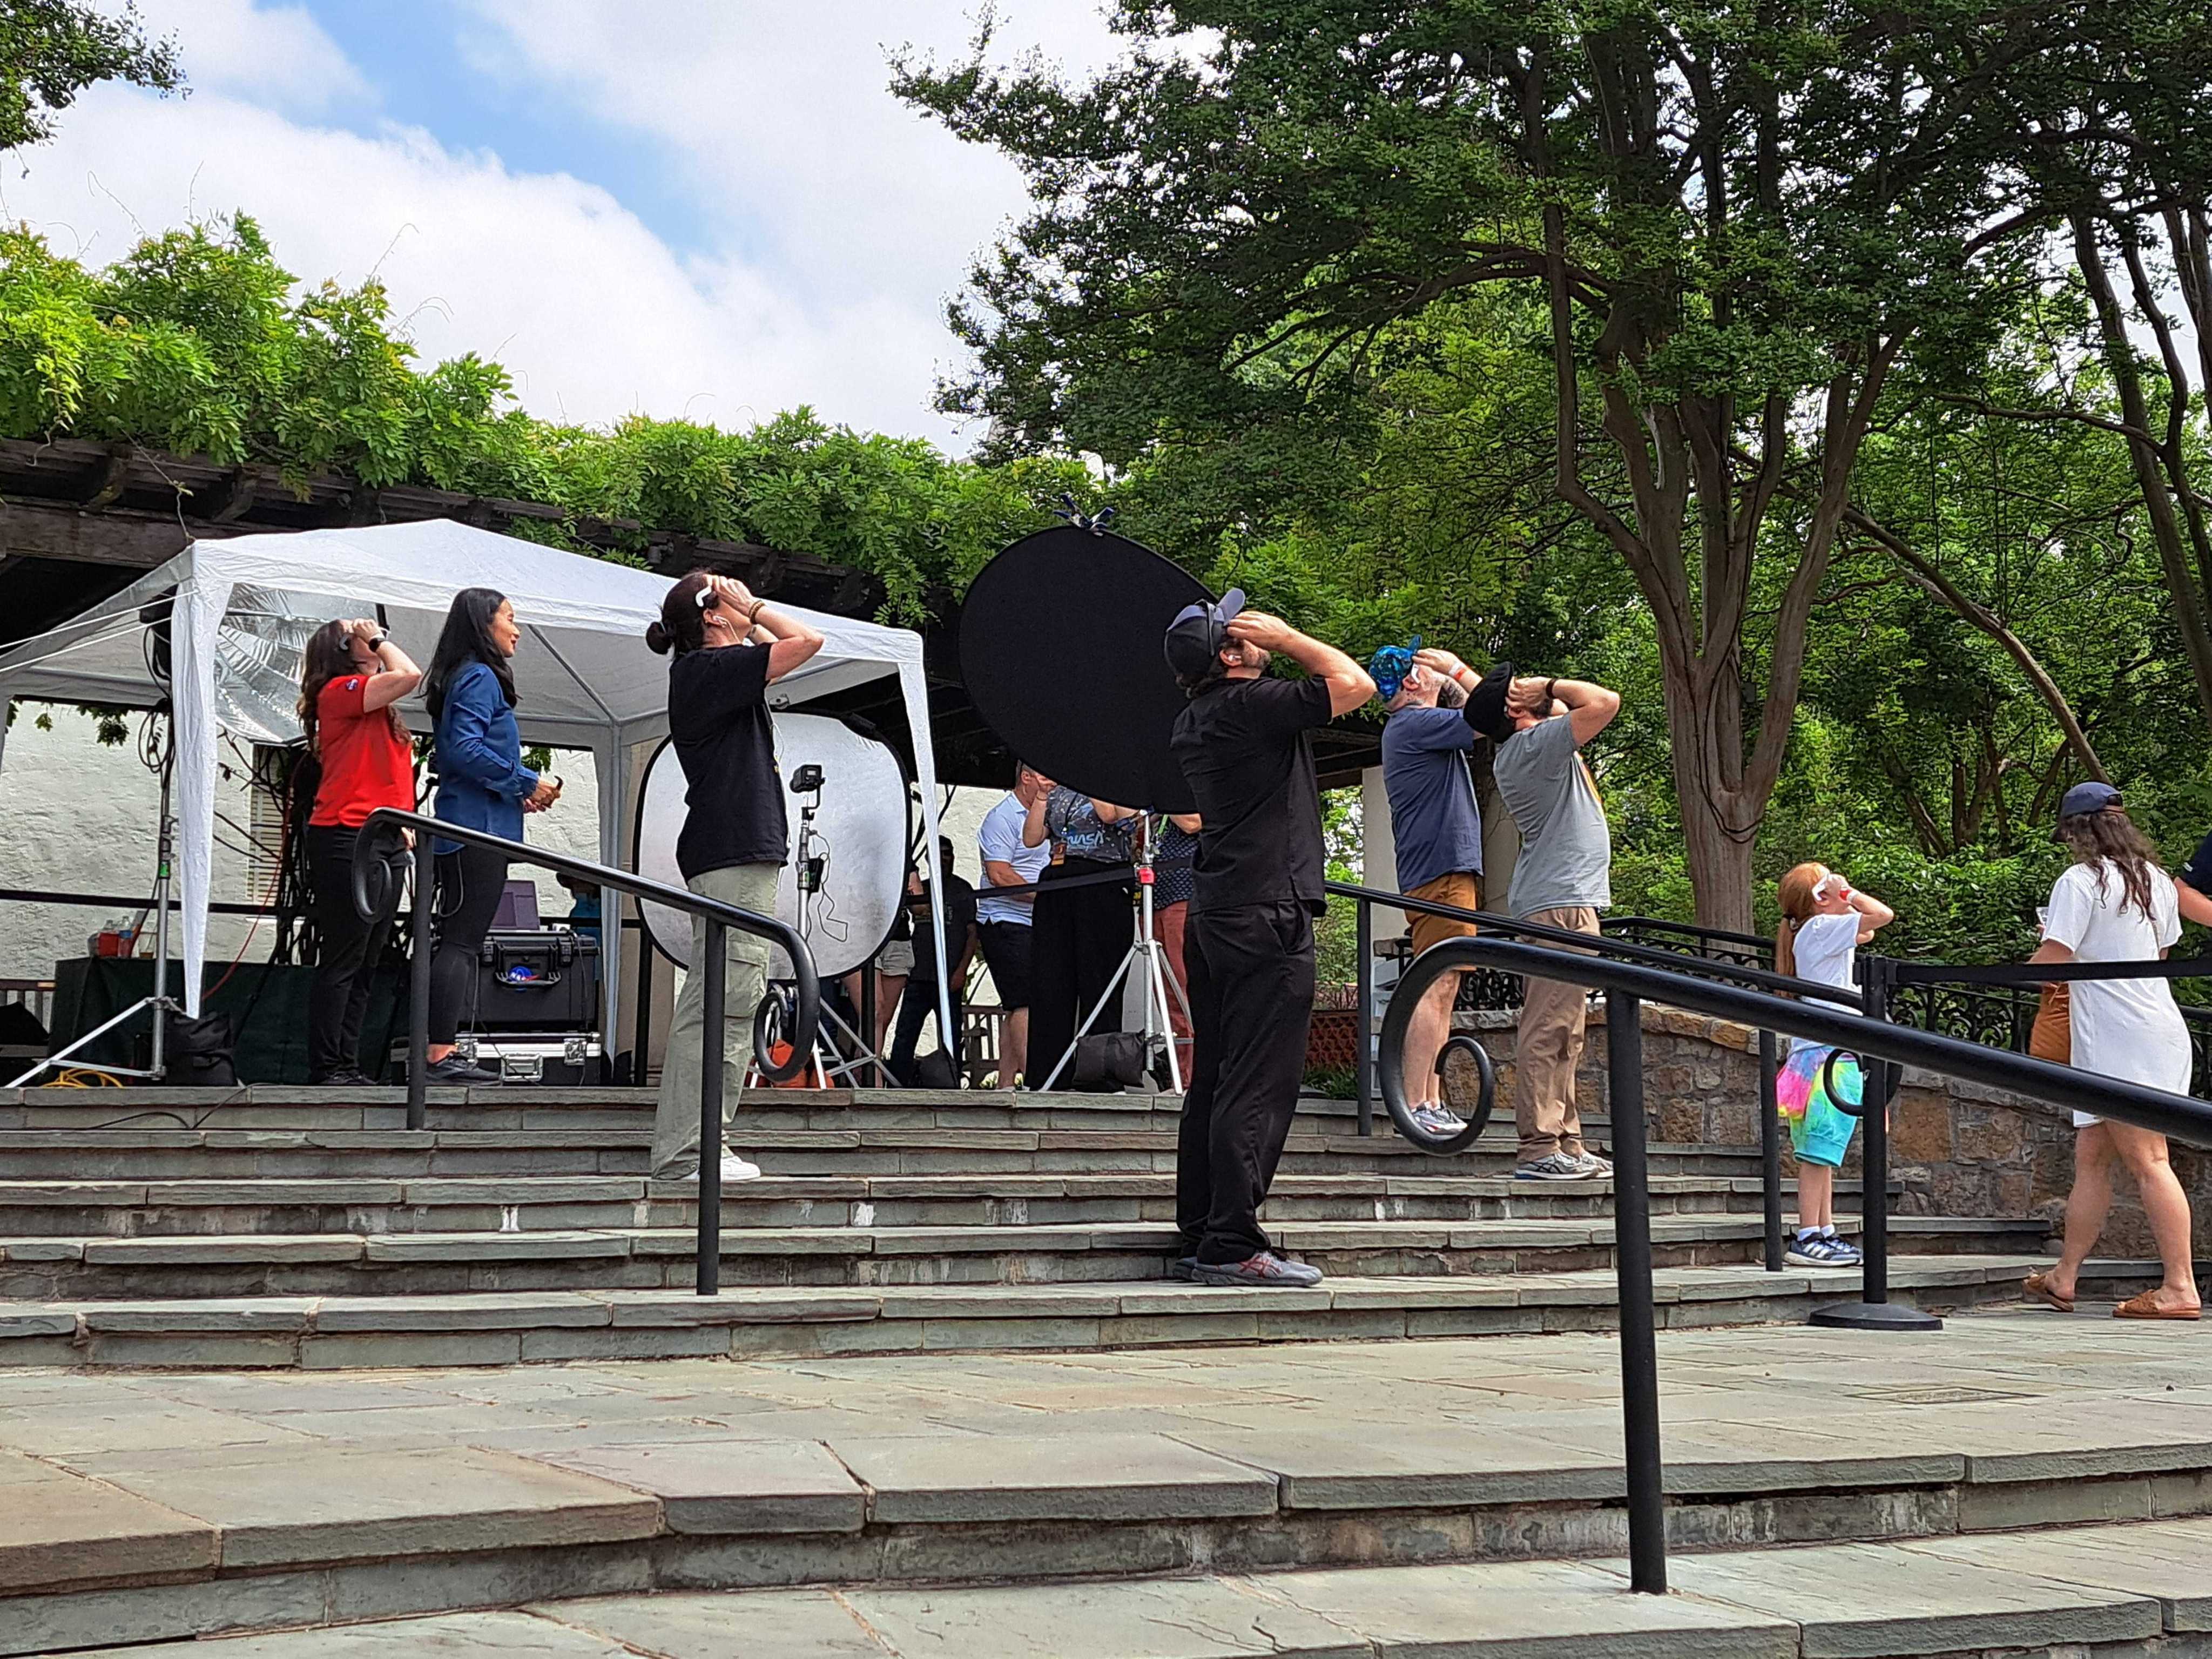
(281, 1363)
(298, 1227)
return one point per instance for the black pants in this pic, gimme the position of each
(1076, 942)
(1251, 980)
(917, 1003)
(469, 882)
(345, 962)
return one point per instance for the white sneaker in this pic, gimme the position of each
(737, 1168)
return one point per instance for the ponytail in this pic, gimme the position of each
(682, 627)
(1795, 893)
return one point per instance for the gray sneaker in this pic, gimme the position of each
(1819, 1251)
(1441, 1121)
(1266, 1270)
(1593, 1165)
(1553, 1166)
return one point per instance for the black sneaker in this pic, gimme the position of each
(1267, 1269)
(455, 1069)
(1183, 1268)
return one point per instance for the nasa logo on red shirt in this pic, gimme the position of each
(354, 684)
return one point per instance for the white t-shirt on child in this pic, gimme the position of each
(1825, 949)
(2128, 1029)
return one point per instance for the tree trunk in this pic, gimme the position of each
(2150, 476)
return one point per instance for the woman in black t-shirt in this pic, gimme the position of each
(729, 648)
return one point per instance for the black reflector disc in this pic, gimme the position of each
(1061, 647)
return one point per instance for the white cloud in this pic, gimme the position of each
(832, 221)
(275, 55)
(780, 116)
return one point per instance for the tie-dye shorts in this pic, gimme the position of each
(1819, 1130)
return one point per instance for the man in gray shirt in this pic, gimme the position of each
(1562, 879)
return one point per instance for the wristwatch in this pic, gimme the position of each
(380, 641)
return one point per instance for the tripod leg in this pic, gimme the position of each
(1157, 981)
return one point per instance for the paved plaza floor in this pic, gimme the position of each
(1310, 1498)
(1984, 1381)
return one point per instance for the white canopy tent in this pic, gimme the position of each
(583, 675)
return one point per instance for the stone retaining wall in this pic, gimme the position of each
(1956, 1148)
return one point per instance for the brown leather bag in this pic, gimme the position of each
(2051, 1037)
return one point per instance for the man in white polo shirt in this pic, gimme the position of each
(1003, 924)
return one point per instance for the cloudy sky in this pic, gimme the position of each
(702, 207)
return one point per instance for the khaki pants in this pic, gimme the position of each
(676, 1120)
(1553, 1015)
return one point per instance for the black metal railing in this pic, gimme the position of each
(1717, 954)
(1627, 985)
(376, 867)
(1484, 991)
(1933, 996)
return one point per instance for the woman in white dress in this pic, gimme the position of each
(2116, 904)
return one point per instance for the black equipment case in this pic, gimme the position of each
(540, 980)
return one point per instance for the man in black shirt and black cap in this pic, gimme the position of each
(1248, 952)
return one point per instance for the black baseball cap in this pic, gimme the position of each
(1486, 704)
(1196, 635)
(2084, 799)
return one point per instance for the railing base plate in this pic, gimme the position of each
(1875, 1316)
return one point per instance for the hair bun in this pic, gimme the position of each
(656, 639)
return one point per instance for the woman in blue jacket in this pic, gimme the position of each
(481, 785)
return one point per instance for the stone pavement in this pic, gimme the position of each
(2081, 1591)
(145, 1506)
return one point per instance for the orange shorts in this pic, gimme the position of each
(1458, 888)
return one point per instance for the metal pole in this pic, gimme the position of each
(1632, 1254)
(869, 1038)
(1769, 1149)
(1875, 1310)
(418, 986)
(161, 920)
(1874, 1176)
(1363, 1028)
(713, 972)
(645, 956)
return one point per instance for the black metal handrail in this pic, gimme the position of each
(1998, 1002)
(1628, 985)
(1709, 938)
(373, 866)
(1770, 1130)
(1491, 923)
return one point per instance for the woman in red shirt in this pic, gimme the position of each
(350, 676)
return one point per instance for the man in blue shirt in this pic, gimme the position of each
(1436, 829)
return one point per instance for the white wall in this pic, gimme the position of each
(77, 816)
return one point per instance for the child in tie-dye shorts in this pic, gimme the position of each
(1819, 1089)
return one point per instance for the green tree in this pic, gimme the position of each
(1743, 222)
(52, 49)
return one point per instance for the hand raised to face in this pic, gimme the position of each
(1258, 628)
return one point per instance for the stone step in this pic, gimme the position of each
(2088, 1591)
(136, 1520)
(272, 1204)
(205, 1154)
(508, 1326)
(262, 1106)
(437, 1264)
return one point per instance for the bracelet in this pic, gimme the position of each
(753, 615)
(1550, 692)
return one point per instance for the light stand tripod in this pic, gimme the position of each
(831, 1057)
(161, 1003)
(1148, 958)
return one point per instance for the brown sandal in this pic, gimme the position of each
(2038, 1287)
(2142, 1307)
